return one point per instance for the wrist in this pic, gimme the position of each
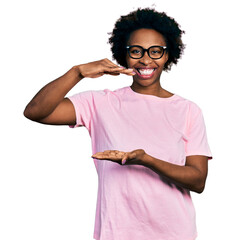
(143, 157)
(146, 159)
(77, 72)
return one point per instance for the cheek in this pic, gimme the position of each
(165, 59)
(161, 62)
(130, 62)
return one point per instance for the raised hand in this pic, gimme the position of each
(101, 67)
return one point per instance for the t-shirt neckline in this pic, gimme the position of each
(151, 96)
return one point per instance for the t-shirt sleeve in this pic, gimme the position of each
(83, 104)
(196, 136)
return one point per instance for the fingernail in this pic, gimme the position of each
(123, 162)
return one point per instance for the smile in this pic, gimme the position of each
(145, 72)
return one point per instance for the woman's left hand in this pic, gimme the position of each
(134, 157)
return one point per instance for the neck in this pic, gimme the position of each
(154, 89)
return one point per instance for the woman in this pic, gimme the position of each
(149, 145)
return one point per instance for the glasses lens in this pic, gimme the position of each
(135, 52)
(156, 52)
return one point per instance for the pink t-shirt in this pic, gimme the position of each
(134, 202)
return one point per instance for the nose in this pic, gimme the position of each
(145, 59)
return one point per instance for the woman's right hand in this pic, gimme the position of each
(101, 67)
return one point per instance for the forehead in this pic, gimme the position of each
(146, 38)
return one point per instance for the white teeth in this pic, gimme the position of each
(146, 71)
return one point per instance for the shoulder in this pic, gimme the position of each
(186, 104)
(181, 110)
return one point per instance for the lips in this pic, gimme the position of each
(145, 72)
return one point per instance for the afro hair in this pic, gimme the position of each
(150, 19)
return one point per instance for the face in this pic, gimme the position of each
(148, 70)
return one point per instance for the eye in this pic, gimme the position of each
(135, 51)
(155, 51)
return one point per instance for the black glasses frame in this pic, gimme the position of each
(146, 50)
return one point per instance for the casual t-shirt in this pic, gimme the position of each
(134, 202)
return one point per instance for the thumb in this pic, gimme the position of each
(130, 155)
(124, 159)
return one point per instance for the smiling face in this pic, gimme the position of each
(148, 70)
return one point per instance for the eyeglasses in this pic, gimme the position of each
(154, 52)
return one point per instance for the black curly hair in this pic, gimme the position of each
(150, 19)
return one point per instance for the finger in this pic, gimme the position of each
(114, 153)
(110, 151)
(113, 68)
(103, 155)
(98, 154)
(114, 74)
(130, 74)
(124, 159)
(118, 71)
(107, 151)
(128, 71)
(110, 63)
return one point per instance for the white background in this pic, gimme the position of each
(48, 182)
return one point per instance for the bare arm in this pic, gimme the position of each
(191, 176)
(50, 106)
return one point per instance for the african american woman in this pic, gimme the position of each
(149, 145)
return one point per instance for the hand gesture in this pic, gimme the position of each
(101, 67)
(134, 157)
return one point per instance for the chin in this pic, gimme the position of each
(145, 82)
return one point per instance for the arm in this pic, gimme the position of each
(50, 106)
(191, 176)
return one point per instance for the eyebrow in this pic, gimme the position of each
(136, 45)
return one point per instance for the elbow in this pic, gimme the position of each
(199, 190)
(30, 114)
(26, 113)
(199, 187)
